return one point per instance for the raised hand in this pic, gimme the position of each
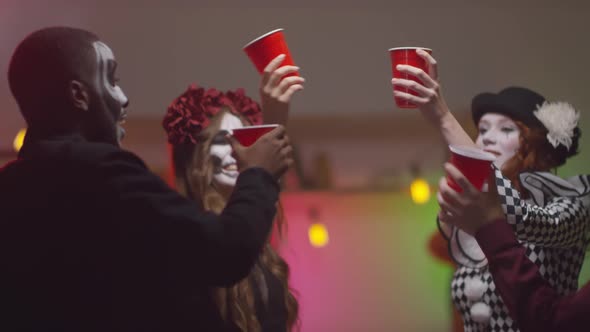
(276, 90)
(430, 100)
(471, 209)
(272, 152)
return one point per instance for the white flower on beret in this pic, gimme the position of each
(560, 119)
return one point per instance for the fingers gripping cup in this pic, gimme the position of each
(407, 56)
(250, 134)
(265, 48)
(474, 163)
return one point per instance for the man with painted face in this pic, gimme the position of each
(90, 240)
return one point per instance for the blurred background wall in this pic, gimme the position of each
(358, 153)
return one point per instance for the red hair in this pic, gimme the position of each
(535, 153)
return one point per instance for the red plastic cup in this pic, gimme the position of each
(407, 56)
(474, 163)
(265, 48)
(250, 134)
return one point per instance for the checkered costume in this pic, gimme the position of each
(553, 225)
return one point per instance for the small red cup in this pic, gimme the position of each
(250, 134)
(474, 163)
(407, 56)
(265, 48)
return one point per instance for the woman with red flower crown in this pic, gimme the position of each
(197, 124)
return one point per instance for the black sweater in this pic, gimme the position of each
(91, 240)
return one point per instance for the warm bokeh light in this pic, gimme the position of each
(318, 235)
(420, 191)
(19, 139)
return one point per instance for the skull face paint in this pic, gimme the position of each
(114, 97)
(225, 167)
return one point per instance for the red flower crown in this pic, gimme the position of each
(191, 112)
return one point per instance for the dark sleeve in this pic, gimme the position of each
(530, 299)
(218, 249)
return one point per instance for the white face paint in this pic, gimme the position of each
(225, 172)
(498, 135)
(107, 80)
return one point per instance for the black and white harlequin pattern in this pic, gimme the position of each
(555, 236)
(500, 320)
(559, 223)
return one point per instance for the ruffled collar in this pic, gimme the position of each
(542, 187)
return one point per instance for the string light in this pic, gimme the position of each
(420, 191)
(318, 235)
(317, 232)
(19, 139)
(419, 188)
